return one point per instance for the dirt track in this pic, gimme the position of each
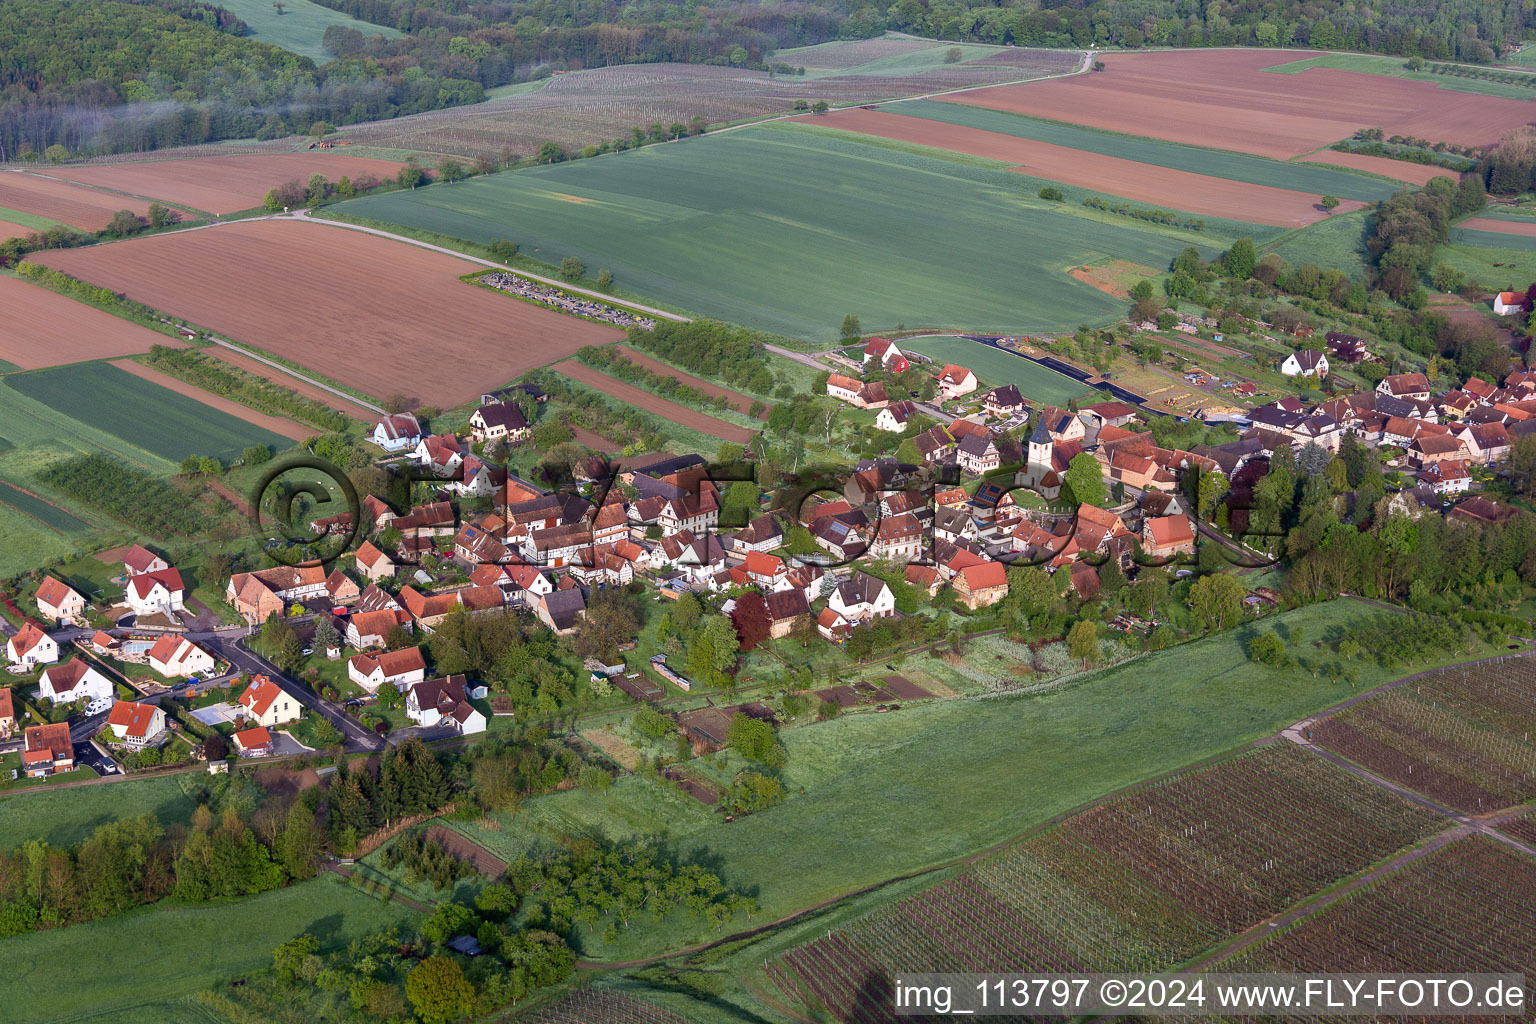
(371, 313)
(276, 424)
(43, 328)
(740, 402)
(223, 184)
(1223, 99)
(84, 208)
(641, 399)
(1128, 179)
(465, 849)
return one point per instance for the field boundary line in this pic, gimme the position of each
(290, 371)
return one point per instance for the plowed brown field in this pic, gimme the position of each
(1503, 227)
(1128, 179)
(740, 402)
(1402, 170)
(642, 399)
(10, 230)
(277, 424)
(223, 184)
(1221, 99)
(377, 315)
(46, 329)
(84, 208)
(261, 369)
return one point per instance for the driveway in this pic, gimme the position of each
(87, 754)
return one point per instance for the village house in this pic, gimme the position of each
(1309, 362)
(977, 454)
(258, 595)
(428, 609)
(442, 454)
(7, 713)
(74, 680)
(934, 444)
(443, 702)
(174, 655)
(897, 538)
(135, 726)
(253, 742)
(1432, 448)
(367, 629)
(139, 559)
(47, 749)
(766, 571)
(692, 513)
(955, 381)
(761, 534)
(60, 603)
(266, 703)
(977, 586)
(886, 353)
(862, 598)
(784, 607)
(31, 646)
(561, 610)
(832, 626)
(1405, 385)
(341, 589)
(158, 592)
(1061, 425)
(894, 417)
(1346, 348)
(857, 393)
(497, 421)
(1166, 536)
(1004, 401)
(1447, 476)
(397, 432)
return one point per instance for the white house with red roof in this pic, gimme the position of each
(402, 669)
(31, 646)
(955, 381)
(766, 571)
(134, 725)
(74, 680)
(174, 655)
(885, 351)
(58, 601)
(255, 742)
(47, 749)
(443, 701)
(159, 592)
(139, 559)
(397, 432)
(1506, 303)
(266, 703)
(1309, 362)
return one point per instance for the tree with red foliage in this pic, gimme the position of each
(751, 619)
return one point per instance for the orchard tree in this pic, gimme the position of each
(1083, 641)
(438, 990)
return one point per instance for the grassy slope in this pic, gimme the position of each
(1396, 67)
(1494, 268)
(994, 367)
(874, 796)
(140, 966)
(1336, 242)
(300, 27)
(66, 816)
(1492, 240)
(119, 403)
(731, 226)
(1216, 163)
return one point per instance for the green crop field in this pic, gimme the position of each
(1333, 243)
(141, 412)
(142, 964)
(1492, 239)
(66, 816)
(300, 27)
(994, 366)
(873, 796)
(48, 515)
(1397, 67)
(1214, 162)
(28, 543)
(789, 228)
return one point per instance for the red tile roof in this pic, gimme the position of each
(258, 697)
(48, 743)
(248, 739)
(134, 719)
(139, 558)
(54, 592)
(27, 637)
(988, 574)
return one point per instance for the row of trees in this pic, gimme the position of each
(259, 393)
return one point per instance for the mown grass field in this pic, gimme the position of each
(1217, 163)
(1493, 267)
(1334, 243)
(301, 25)
(875, 796)
(141, 968)
(1492, 239)
(788, 228)
(1397, 67)
(66, 816)
(141, 412)
(994, 367)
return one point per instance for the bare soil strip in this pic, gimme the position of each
(276, 424)
(1402, 170)
(463, 848)
(1503, 227)
(261, 369)
(43, 328)
(738, 400)
(641, 399)
(84, 208)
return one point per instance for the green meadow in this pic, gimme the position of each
(790, 227)
(994, 366)
(300, 26)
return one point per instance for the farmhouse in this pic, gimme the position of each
(1405, 385)
(784, 607)
(174, 655)
(761, 534)
(47, 749)
(889, 356)
(266, 703)
(955, 381)
(74, 680)
(561, 610)
(1508, 303)
(135, 726)
(1346, 348)
(497, 421)
(396, 433)
(158, 592)
(59, 602)
(367, 629)
(256, 595)
(401, 669)
(897, 538)
(1309, 362)
(977, 454)
(977, 586)
(31, 646)
(895, 416)
(443, 702)
(1447, 476)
